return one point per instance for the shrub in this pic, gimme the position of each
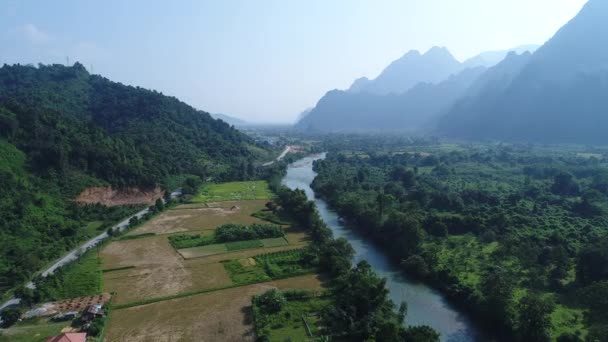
(271, 301)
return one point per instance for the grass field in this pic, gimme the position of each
(234, 191)
(288, 324)
(32, 331)
(81, 278)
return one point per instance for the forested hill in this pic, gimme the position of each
(67, 121)
(62, 129)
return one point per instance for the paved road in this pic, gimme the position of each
(76, 252)
(281, 156)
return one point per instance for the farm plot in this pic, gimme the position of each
(223, 315)
(208, 250)
(269, 266)
(298, 320)
(152, 268)
(234, 191)
(185, 218)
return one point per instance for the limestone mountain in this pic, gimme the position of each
(434, 66)
(345, 111)
(559, 95)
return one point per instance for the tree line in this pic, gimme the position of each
(512, 233)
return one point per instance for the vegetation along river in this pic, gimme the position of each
(425, 305)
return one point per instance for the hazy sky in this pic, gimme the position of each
(263, 60)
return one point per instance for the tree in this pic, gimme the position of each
(383, 201)
(336, 256)
(497, 290)
(160, 206)
(271, 301)
(403, 234)
(534, 321)
(133, 221)
(10, 316)
(362, 310)
(564, 184)
(592, 264)
(191, 185)
(26, 295)
(416, 266)
(421, 333)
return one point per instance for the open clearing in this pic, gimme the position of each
(216, 316)
(234, 191)
(185, 218)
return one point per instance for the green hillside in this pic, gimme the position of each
(62, 129)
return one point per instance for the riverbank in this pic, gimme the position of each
(425, 305)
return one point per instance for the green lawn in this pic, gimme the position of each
(234, 191)
(37, 331)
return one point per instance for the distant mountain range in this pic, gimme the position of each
(559, 93)
(347, 111)
(410, 91)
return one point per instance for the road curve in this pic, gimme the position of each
(281, 156)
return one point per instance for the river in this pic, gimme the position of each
(425, 305)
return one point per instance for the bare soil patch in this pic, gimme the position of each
(109, 196)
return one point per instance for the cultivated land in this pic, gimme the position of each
(164, 294)
(216, 316)
(202, 217)
(234, 191)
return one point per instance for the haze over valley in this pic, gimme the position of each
(264, 171)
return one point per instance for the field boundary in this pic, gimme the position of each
(197, 292)
(117, 269)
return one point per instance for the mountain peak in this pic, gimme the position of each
(412, 53)
(439, 51)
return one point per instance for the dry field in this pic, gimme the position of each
(223, 315)
(201, 217)
(153, 269)
(158, 270)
